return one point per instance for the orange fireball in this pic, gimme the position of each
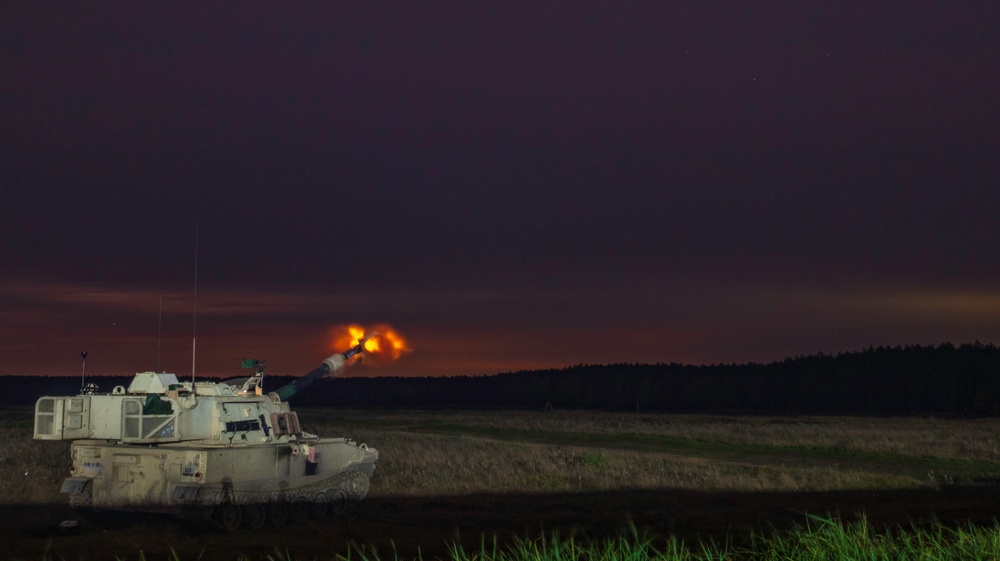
(380, 341)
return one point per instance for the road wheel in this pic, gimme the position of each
(338, 504)
(228, 517)
(298, 511)
(254, 516)
(320, 506)
(278, 514)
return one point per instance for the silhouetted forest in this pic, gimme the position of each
(912, 380)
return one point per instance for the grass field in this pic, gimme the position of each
(492, 473)
(466, 452)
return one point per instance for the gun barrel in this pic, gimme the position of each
(332, 364)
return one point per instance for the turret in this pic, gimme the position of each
(158, 408)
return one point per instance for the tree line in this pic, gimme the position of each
(945, 379)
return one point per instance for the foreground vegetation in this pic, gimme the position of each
(820, 540)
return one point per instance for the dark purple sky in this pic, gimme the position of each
(511, 185)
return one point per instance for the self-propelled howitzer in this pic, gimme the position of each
(222, 450)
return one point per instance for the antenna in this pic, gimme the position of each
(159, 337)
(194, 328)
(83, 370)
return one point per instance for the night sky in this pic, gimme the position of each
(511, 185)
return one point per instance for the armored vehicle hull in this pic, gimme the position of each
(261, 483)
(218, 450)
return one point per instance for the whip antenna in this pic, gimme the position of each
(83, 370)
(159, 336)
(194, 328)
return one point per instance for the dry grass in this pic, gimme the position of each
(415, 460)
(415, 464)
(964, 439)
(31, 471)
